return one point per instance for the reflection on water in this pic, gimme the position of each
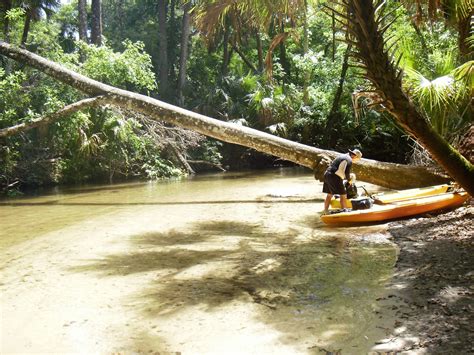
(198, 250)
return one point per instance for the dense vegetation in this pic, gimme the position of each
(279, 69)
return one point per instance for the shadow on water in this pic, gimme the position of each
(322, 289)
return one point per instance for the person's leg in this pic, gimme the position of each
(343, 201)
(327, 201)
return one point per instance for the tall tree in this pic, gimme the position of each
(183, 57)
(163, 48)
(96, 28)
(82, 11)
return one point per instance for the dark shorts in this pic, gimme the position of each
(333, 184)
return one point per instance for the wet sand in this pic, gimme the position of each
(201, 273)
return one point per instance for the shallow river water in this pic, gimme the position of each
(229, 263)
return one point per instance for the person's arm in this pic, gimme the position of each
(348, 171)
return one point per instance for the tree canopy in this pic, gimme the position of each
(278, 67)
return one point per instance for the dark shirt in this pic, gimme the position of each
(343, 163)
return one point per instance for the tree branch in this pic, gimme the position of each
(48, 119)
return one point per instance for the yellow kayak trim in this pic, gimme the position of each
(398, 209)
(401, 195)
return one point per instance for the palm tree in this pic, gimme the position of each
(365, 23)
(279, 17)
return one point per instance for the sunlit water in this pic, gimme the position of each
(224, 263)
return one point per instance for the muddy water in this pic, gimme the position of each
(219, 264)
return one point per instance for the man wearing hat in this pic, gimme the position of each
(339, 170)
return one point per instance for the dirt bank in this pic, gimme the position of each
(433, 287)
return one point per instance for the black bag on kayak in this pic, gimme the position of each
(362, 203)
(351, 190)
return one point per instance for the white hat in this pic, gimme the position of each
(356, 152)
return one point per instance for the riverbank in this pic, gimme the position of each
(432, 291)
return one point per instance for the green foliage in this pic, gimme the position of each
(88, 145)
(131, 68)
(433, 79)
(295, 103)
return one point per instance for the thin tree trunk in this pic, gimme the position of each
(259, 52)
(333, 37)
(26, 27)
(305, 52)
(333, 117)
(183, 57)
(163, 49)
(226, 54)
(172, 40)
(283, 58)
(96, 30)
(82, 10)
(244, 58)
(7, 5)
(383, 174)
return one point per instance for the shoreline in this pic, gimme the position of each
(432, 291)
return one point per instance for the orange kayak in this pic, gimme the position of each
(398, 209)
(383, 198)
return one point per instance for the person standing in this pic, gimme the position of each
(339, 170)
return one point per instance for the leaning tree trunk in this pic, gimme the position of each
(334, 114)
(383, 174)
(365, 30)
(26, 27)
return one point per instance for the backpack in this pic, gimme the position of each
(351, 190)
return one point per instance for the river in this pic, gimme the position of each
(215, 264)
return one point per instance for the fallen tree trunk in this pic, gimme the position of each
(396, 176)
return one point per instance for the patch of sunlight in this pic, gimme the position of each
(453, 294)
(395, 344)
(266, 266)
(400, 330)
(439, 83)
(335, 332)
(400, 286)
